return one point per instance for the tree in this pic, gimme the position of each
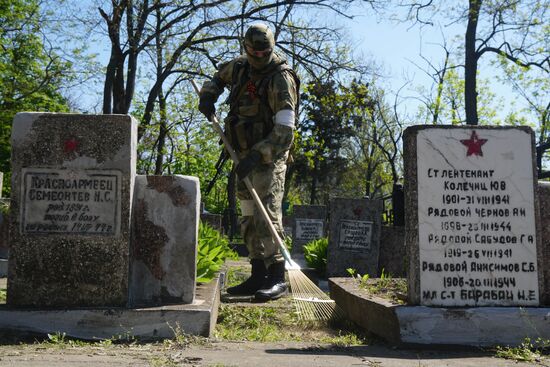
(31, 74)
(321, 134)
(196, 35)
(375, 143)
(512, 29)
(534, 90)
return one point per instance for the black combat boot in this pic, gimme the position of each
(252, 284)
(274, 286)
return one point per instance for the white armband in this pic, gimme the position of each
(285, 118)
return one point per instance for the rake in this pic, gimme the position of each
(310, 301)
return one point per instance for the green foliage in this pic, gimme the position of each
(362, 279)
(315, 253)
(527, 351)
(192, 148)
(385, 286)
(319, 139)
(347, 144)
(2, 296)
(288, 243)
(263, 324)
(212, 252)
(30, 74)
(279, 323)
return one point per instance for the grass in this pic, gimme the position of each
(276, 321)
(60, 340)
(2, 296)
(236, 275)
(279, 323)
(527, 351)
(386, 286)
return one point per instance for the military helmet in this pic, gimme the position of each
(259, 37)
(259, 43)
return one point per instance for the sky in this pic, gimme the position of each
(398, 47)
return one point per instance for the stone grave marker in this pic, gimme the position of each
(544, 200)
(472, 222)
(309, 224)
(72, 185)
(164, 240)
(354, 236)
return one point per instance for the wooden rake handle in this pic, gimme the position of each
(216, 125)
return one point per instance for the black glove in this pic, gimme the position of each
(206, 106)
(248, 163)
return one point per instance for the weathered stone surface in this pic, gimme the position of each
(3, 268)
(354, 236)
(151, 323)
(4, 230)
(309, 224)
(288, 225)
(393, 259)
(214, 220)
(472, 228)
(164, 240)
(72, 185)
(544, 200)
(473, 326)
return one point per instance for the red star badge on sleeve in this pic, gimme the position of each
(474, 145)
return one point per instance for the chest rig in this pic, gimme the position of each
(250, 117)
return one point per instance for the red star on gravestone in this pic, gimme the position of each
(70, 145)
(474, 145)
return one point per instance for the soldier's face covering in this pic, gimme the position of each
(258, 44)
(259, 58)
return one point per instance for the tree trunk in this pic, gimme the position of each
(470, 62)
(313, 192)
(159, 162)
(163, 131)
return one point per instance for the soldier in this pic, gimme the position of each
(263, 99)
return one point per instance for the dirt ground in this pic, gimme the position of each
(245, 354)
(217, 351)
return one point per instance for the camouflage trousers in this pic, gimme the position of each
(268, 181)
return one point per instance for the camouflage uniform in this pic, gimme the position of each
(262, 120)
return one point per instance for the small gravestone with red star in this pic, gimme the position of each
(72, 186)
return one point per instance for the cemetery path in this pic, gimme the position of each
(255, 354)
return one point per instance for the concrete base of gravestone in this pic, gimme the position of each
(3, 268)
(164, 240)
(472, 326)
(392, 258)
(198, 318)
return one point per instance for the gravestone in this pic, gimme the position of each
(354, 236)
(164, 240)
(392, 259)
(309, 225)
(72, 185)
(288, 225)
(472, 216)
(544, 200)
